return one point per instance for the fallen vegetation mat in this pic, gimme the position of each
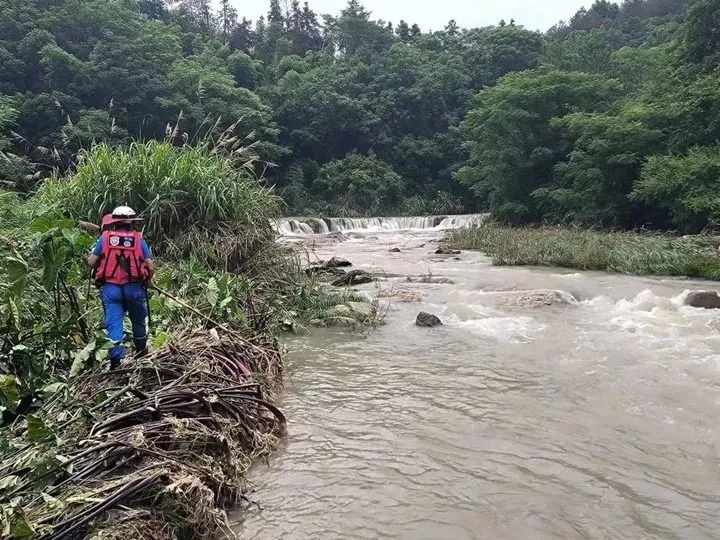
(153, 450)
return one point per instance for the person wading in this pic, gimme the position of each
(123, 265)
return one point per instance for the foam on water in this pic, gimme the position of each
(507, 329)
(659, 322)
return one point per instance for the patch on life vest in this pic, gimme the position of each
(127, 242)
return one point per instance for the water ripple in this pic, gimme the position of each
(594, 421)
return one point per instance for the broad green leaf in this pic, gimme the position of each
(8, 482)
(71, 235)
(81, 358)
(16, 526)
(54, 259)
(9, 393)
(37, 429)
(52, 502)
(47, 222)
(52, 389)
(160, 339)
(14, 312)
(16, 269)
(212, 291)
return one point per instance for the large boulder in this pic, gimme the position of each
(703, 299)
(353, 277)
(427, 319)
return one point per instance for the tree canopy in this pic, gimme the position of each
(609, 119)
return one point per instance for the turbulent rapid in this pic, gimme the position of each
(550, 404)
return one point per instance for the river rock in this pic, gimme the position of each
(364, 309)
(353, 277)
(321, 270)
(445, 251)
(703, 299)
(335, 236)
(427, 320)
(341, 310)
(403, 295)
(336, 262)
(532, 298)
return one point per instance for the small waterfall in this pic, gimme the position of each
(464, 220)
(292, 227)
(309, 226)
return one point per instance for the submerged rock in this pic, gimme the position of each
(532, 298)
(403, 295)
(353, 277)
(445, 251)
(703, 299)
(430, 279)
(336, 236)
(427, 320)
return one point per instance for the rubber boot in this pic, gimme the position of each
(141, 349)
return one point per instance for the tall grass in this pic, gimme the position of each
(176, 189)
(623, 252)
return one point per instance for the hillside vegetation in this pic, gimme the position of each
(609, 119)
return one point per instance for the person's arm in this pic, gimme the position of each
(148, 258)
(94, 256)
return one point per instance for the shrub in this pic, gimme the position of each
(187, 195)
(623, 252)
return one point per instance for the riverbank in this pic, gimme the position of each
(583, 249)
(154, 450)
(158, 448)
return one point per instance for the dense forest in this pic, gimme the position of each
(610, 119)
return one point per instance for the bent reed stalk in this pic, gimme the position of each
(154, 450)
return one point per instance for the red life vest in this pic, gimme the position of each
(121, 259)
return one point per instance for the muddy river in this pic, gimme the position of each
(592, 413)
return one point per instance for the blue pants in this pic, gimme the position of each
(118, 300)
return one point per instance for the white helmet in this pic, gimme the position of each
(124, 213)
